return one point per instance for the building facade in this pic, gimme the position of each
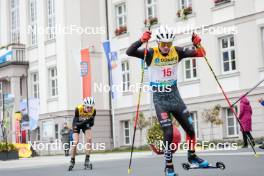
(232, 33)
(52, 44)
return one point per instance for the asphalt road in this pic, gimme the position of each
(237, 164)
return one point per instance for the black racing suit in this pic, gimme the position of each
(83, 125)
(167, 103)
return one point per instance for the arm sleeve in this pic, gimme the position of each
(185, 52)
(134, 50)
(76, 116)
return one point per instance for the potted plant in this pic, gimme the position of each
(151, 21)
(121, 30)
(8, 152)
(183, 13)
(155, 137)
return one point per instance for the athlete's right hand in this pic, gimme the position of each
(146, 36)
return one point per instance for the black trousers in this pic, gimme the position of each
(247, 135)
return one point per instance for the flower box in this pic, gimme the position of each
(10, 155)
(183, 13)
(121, 30)
(152, 21)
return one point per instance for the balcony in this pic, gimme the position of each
(14, 54)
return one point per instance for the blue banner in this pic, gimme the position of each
(6, 57)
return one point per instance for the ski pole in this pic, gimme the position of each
(138, 104)
(227, 99)
(248, 92)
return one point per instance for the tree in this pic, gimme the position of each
(212, 116)
(141, 124)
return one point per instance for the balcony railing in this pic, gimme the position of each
(15, 53)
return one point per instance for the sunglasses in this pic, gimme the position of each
(163, 44)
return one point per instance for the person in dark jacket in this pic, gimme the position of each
(65, 133)
(245, 117)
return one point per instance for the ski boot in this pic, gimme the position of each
(194, 159)
(170, 172)
(72, 163)
(87, 164)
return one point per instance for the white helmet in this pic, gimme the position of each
(165, 34)
(89, 101)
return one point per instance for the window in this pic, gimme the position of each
(33, 21)
(151, 9)
(53, 85)
(185, 4)
(231, 123)
(56, 131)
(228, 57)
(51, 18)
(15, 31)
(195, 124)
(125, 76)
(35, 84)
(121, 15)
(126, 132)
(190, 69)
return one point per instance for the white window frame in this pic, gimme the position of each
(124, 132)
(121, 15)
(235, 126)
(262, 41)
(192, 69)
(14, 21)
(185, 3)
(33, 21)
(229, 50)
(195, 124)
(51, 23)
(125, 75)
(51, 79)
(153, 6)
(35, 84)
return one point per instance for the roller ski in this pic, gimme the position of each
(197, 163)
(87, 164)
(218, 165)
(72, 163)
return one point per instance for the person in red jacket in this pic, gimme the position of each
(246, 120)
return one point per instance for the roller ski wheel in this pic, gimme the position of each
(88, 166)
(218, 165)
(71, 165)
